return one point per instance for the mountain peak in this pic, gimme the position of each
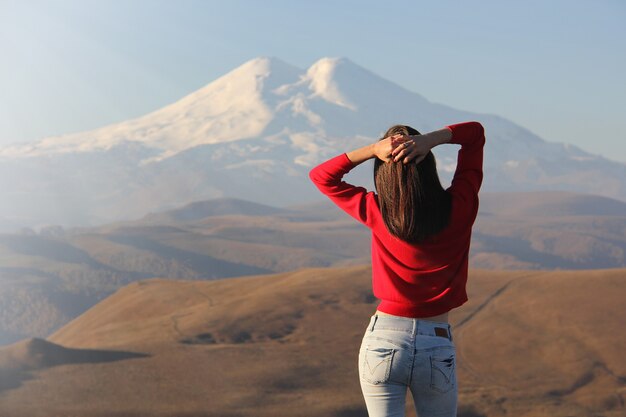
(325, 76)
(264, 65)
(260, 73)
(332, 62)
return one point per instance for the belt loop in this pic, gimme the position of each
(373, 322)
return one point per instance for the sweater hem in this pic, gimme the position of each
(418, 311)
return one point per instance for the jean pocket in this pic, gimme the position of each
(442, 372)
(376, 364)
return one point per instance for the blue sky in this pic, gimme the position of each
(555, 67)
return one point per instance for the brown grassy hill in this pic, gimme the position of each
(19, 360)
(529, 343)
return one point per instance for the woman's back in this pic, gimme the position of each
(428, 278)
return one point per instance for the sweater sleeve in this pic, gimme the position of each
(468, 176)
(356, 201)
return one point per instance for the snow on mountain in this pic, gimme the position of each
(230, 108)
(254, 133)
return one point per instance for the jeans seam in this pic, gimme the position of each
(434, 348)
(375, 319)
(395, 329)
(412, 366)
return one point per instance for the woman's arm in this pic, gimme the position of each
(468, 175)
(354, 200)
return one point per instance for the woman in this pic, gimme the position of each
(420, 244)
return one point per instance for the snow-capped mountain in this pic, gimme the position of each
(254, 134)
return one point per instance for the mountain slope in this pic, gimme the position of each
(254, 134)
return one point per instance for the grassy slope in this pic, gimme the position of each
(529, 343)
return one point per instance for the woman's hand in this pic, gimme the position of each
(412, 148)
(415, 148)
(383, 149)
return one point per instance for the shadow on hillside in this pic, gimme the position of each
(351, 412)
(525, 253)
(19, 365)
(207, 265)
(469, 411)
(49, 248)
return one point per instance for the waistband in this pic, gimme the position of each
(410, 325)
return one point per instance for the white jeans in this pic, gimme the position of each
(399, 353)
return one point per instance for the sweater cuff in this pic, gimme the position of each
(452, 128)
(465, 133)
(346, 161)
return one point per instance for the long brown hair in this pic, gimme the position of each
(412, 201)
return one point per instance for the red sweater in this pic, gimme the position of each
(425, 279)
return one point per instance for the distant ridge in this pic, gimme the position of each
(550, 203)
(537, 203)
(214, 207)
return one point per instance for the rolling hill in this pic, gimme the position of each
(529, 343)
